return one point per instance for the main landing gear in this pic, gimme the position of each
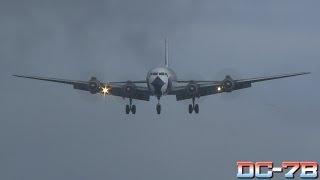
(131, 107)
(193, 107)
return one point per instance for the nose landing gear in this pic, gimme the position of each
(193, 107)
(158, 107)
(131, 108)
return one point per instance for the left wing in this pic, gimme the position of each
(127, 89)
(204, 88)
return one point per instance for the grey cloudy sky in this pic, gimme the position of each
(49, 131)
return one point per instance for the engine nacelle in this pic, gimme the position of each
(192, 88)
(94, 85)
(228, 84)
(129, 89)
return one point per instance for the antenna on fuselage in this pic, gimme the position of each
(166, 53)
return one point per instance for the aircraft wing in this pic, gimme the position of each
(127, 89)
(203, 88)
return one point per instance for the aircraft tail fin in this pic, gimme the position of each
(166, 53)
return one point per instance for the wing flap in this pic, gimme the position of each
(203, 90)
(140, 93)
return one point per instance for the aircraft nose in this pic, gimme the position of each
(157, 84)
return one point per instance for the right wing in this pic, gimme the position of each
(203, 88)
(127, 89)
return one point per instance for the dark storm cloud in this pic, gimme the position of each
(49, 131)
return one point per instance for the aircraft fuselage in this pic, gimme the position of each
(160, 80)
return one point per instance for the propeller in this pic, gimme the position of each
(193, 76)
(228, 75)
(95, 87)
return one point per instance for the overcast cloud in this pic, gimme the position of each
(50, 131)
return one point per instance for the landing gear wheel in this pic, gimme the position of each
(196, 108)
(127, 109)
(158, 108)
(190, 108)
(133, 109)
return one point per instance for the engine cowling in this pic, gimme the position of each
(192, 88)
(228, 84)
(94, 85)
(129, 89)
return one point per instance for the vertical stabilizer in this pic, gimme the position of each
(166, 53)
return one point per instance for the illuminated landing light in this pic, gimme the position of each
(219, 88)
(105, 90)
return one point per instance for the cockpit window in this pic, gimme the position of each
(154, 73)
(162, 73)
